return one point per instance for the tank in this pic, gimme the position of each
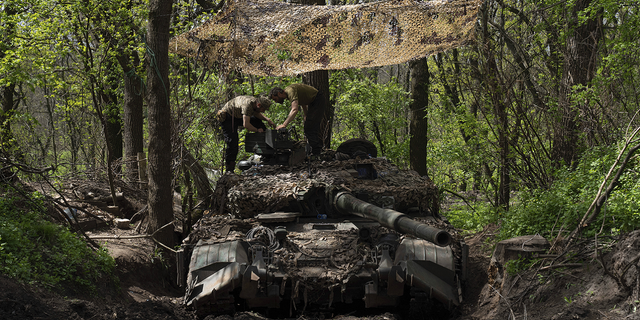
(349, 230)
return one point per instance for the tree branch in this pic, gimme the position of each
(601, 197)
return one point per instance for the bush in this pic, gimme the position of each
(562, 206)
(37, 251)
(472, 220)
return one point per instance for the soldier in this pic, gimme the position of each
(313, 106)
(246, 111)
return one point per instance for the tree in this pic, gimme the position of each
(112, 117)
(8, 83)
(418, 113)
(580, 56)
(320, 80)
(132, 111)
(495, 89)
(160, 174)
(123, 35)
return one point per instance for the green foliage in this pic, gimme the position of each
(618, 73)
(199, 131)
(515, 266)
(373, 111)
(462, 145)
(60, 55)
(568, 199)
(37, 251)
(472, 219)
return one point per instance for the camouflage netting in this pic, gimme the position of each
(276, 38)
(270, 188)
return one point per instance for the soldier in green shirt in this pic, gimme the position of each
(313, 104)
(246, 111)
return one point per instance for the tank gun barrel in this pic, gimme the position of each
(346, 203)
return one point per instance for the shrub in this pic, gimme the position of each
(37, 251)
(563, 205)
(472, 220)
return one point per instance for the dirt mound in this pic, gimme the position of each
(606, 288)
(480, 245)
(19, 302)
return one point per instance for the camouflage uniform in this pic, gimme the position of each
(230, 118)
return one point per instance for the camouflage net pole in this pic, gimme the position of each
(273, 38)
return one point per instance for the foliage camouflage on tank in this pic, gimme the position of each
(271, 188)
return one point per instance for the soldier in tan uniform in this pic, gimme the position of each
(313, 106)
(246, 111)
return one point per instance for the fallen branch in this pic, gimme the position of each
(562, 265)
(570, 275)
(140, 236)
(120, 237)
(463, 199)
(602, 196)
(511, 314)
(139, 214)
(67, 205)
(604, 315)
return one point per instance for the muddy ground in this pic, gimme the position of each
(582, 290)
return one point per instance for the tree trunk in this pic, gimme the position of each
(494, 85)
(132, 114)
(579, 68)
(160, 195)
(7, 143)
(320, 80)
(418, 124)
(111, 116)
(6, 136)
(113, 121)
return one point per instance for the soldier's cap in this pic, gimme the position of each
(264, 101)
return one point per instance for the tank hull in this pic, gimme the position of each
(320, 266)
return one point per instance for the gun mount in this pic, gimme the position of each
(321, 236)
